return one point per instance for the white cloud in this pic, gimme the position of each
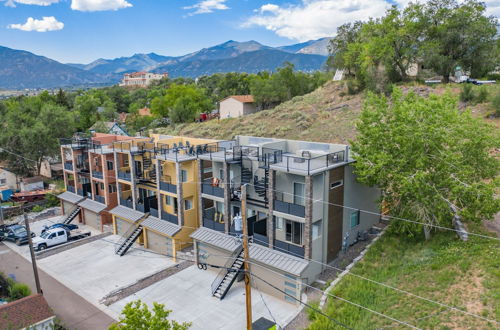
(313, 19)
(49, 23)
(207, 6)
(12, 3)
(99, 5)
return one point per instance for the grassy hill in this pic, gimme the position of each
(328, 114)
(445, 269)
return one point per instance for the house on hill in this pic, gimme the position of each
(236, 106)
(9, 179)
(109, 127)
(30, 312)
(144, 112)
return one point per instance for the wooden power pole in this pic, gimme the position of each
(33, 259)
(248, 288)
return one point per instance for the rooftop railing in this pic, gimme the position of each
(310, 164)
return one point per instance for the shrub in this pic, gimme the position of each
(37, 208)
(18, 291)
(467, 93)
(482, 95)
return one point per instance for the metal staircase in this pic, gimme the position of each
(246, 175)
(128, 239)
(260, 185)
(72, 215)
(227, 276)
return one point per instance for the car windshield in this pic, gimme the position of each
(20, 231)
(45, 234)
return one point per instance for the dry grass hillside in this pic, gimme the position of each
(326, 115)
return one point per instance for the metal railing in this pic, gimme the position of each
(124, 237)
(280, 205)
(68, 165)
(224, 270)
(169, 217)
(70, 189)
(98, 174)
(171, 188)
(209, 189)
(288, 247)
(125, 175)
(100, 199)
(307, 164)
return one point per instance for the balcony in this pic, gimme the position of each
(70, 189)
(294, 250)
(209, 220)
(169, 217)
(168, 187)
(153, 212)
(289, 208)
(68, 166)
(140, 207)
(100, 199)
(305, 164)
(209, 189)
(124, 176)
(80, 192)
(97, 174)
(127, 203)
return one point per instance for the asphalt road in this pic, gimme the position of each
(73, 311)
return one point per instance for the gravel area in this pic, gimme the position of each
(301, 321)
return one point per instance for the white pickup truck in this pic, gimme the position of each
(56, 236)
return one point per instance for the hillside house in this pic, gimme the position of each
(141, 79)
(109, 127)
(9, 179)
(236, 106)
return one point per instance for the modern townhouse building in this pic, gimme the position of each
(168, 193)
(296, 191)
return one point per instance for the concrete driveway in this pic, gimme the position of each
(188, 295)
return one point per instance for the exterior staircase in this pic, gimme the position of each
(246, 175)
(130, 237)
(72, 215)
(227, 276)
(260, 185)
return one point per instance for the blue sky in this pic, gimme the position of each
(81, 31)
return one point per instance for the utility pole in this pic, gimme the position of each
(248, 288)
(32, 252)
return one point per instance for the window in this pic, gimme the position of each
(279, 223)
(184, 176)
(169, 200)
(125, 162)
(52, 236)
(298, 193)
(102, 186)
(316, 230)
(109, 165)
(61, 233)
(221, 174)
(112, 188)
(188, 204)
(293, 232)
(336, 184)
(207, 170)
(290, 284)
(3, 181)
(354, 218)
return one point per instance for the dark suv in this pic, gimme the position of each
(14, 233)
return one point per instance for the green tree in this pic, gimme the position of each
(458, 34)
(347, 34)
(86, 111)
(181, 103)
(137, 315)
(426, 155)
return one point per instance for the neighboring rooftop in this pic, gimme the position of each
(241, 98)
(25, 312)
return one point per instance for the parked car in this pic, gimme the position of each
(14, 233)
(56, 236)
(67, 226)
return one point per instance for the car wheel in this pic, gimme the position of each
(18, 242)
(42, 247)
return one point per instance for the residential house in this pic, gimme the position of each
(30, 312)
(141, 79)
(51, 170)
(110, 127)
(9, 179)
(237, 106)
(144, 112)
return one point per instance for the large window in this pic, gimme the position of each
(110, 165)
(188, 204)
(354, 218)
(184, 176)
(293, 232)
(298, 193)
(279, 223)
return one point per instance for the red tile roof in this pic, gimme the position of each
(241, 98)
(24, 312)
(145, 112)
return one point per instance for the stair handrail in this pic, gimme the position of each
(69, 213)
(222, 273)
(125, 236)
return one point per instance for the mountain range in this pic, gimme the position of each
(20, 69)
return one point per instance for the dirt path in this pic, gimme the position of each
(74, 311)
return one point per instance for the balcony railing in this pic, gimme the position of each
(209, 189)
(140, 207)
(153, 212)
(100, 199)
(71, 189)
(127, 203)
(295, 250)
(124, 176)
(168, 187)
(260, 239)
(97, 174)
(309, 164)
(289, 208)
(68, 166)
(169, 217)
(209, 223)
(80, 192)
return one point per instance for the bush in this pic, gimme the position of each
(18, 291)
(482, 95)
(353, 87)
(467, 93)
(5, 284)
(37, 208)
(52, 200)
